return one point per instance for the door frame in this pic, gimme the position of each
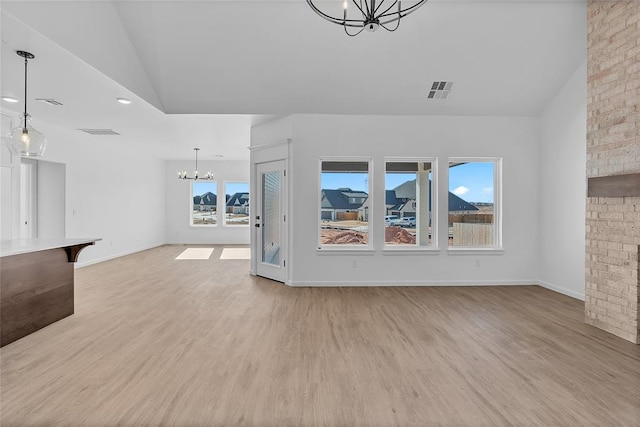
(281, 273)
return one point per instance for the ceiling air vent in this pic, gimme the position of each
(100, 131)
(49, 101)
(440, 90)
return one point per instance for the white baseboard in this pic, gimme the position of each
(396, 283)
(560, 289)
(114, 256)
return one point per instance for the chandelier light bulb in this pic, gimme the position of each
(25, 137)
(345, 4)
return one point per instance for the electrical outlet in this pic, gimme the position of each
(354, 264)
(477, 263)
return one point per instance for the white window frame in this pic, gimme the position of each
(224, 213)
(369, 247)
(434, 247)
(497, 207)
(191, 224)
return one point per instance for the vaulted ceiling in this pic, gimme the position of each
(183, 59)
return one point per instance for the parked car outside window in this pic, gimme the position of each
(407, 221)
(391, 220)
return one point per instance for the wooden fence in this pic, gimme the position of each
(471, 218)
(465, 234)
(346, 216)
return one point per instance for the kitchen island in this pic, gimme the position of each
(36, 284)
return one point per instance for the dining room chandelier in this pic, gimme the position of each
(196, 177)
(25, 140)
(368, 14)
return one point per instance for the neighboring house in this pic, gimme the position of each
(401, 201)
(334, 202)
(205, 203)
(238, 203)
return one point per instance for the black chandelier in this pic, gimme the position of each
(370, 14)
(207, 176)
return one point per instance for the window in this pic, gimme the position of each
(344, 203)
(204, 203)
(408, 204)
(237, 203)
(474, 198)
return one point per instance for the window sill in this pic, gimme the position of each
(475, 251)
(351, 250)
(203, 226)
(410, 250)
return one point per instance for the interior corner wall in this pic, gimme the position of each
(112, 192)
(563, 187)
(179, 203)
(513, 139)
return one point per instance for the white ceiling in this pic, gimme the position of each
(249, 58)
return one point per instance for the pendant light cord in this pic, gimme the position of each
(25, 92)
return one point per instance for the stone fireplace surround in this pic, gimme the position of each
(613, 150)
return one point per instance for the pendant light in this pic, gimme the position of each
(24, 140)
(207, 177)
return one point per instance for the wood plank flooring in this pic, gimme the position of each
(158, 341)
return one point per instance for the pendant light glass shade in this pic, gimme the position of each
(26, 141)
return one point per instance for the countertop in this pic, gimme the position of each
(24, 246)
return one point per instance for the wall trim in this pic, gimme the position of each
(425, 283)
(561, 290)
(269, 145)
(118, 255)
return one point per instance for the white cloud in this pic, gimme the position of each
(487, 190)
(460, 191)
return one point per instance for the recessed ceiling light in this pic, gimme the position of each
(10, 99)
(124, 101)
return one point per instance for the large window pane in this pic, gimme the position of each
(237, 203)
(271, 206)
(205, 202)
(472, 204)
(408, 204)
(344, 203)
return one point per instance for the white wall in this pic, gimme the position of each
(563, 188)
(513, 139)
(51, 207)
(179, 203)
(113, 192)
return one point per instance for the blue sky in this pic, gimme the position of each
(199, 188)
(472, 182)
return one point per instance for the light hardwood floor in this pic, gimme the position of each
(156, 341)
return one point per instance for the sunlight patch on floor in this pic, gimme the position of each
(196, 253)
(236, 253)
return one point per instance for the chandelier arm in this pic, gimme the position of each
(352, 35)
(360, 7)
(389, 8)
(338, 21)
(380, 5)
(404, 12)
(389, 29)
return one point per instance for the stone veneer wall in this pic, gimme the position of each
(613, 148)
